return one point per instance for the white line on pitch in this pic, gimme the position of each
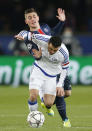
(12, 115)
(89, 127)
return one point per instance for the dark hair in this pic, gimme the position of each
(30, 10)
(56, 41)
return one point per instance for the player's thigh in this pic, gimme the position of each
(50, 86)
(36, 79)
(67, 83)
(67, 86)
(49, 91)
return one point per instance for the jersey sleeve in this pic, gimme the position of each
(23, 33)
(64, 66)
(40, 39)
(62, 78)
(65, 54)
(58, 28)
(53, 31)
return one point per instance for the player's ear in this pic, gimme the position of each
(25, 21)
(38, 18)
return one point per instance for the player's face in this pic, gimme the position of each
(51, 49)
(32, 19)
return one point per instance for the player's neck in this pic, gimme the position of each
(35, 28)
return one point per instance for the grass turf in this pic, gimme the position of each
(14, 110)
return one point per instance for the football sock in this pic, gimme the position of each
(48, 107)
(61, 107)
(32, 105)
(42, 99)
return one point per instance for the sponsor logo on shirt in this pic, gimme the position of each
(29, 46)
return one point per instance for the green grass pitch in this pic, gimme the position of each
(14, 110)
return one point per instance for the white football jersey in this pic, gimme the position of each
(51, 64)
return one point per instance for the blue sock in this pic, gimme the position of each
(61, 107)
(42, 99)
(32, 105)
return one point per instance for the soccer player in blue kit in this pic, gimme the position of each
(32, 20)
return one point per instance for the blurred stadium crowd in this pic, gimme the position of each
(78, 18)
(78, 13)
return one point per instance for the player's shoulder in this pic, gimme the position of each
(46, 29)
(44, 25)
(63, 49)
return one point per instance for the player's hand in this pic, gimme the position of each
(18, 37)
(59, 91)
(36, 53)
(61, 14)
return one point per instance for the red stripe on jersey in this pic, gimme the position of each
(41, 32)
(65, 64)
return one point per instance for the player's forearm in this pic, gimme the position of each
(62, 78)
(58, 28)
(38, 39)
(22, 35)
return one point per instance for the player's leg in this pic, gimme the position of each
(49, 91)
(32, 102)
(48, 109)
(67, 87)
(49, 95)
(34, 85)
(61, 107)
(48, 100)
(67, 90)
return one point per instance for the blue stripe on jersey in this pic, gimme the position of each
(44, 71)
(65, 55)
(41, 38)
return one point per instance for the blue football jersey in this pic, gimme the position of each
(44, 29)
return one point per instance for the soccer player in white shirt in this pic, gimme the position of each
(55, 60)
(32, 20)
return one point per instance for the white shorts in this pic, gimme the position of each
(45, 84)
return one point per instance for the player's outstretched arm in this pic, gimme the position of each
(38, 39)
(59, 26)
(61, 14)
(22, 35)
(19, 37)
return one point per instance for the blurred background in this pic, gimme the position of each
(76, 34)
(78, 14)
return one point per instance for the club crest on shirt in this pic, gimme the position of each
(45, 29)
(54, 59)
